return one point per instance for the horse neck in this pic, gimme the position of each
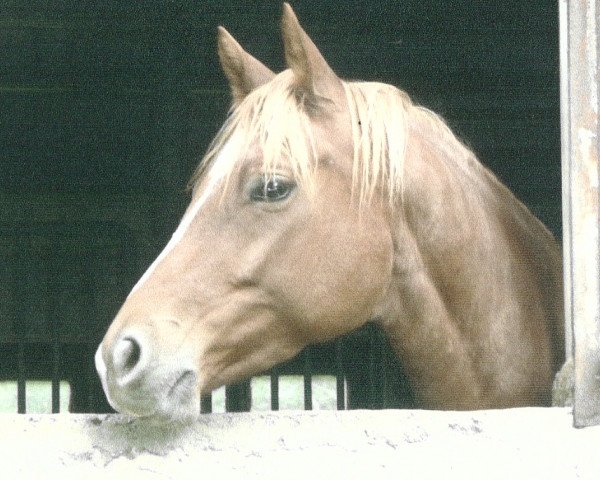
(467, 256)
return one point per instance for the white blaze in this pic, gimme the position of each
(216, 173)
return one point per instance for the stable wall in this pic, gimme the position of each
(108, 107)
(531, 443)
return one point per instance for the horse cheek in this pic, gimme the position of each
(343, 279)
(367, 272)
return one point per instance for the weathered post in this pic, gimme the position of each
(579, 24)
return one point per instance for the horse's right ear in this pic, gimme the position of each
(243, 71)
(311, 71)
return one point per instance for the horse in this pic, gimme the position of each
(321, 205)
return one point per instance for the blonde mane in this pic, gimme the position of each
(276, 117)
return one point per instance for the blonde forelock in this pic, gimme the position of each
(276, 119)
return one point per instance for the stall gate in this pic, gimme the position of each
(60, 286)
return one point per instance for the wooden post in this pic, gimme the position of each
(579, 24)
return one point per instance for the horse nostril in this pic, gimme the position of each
(126, 356)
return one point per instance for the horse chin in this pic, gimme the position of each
(180, 404)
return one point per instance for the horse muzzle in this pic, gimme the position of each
(137, 382)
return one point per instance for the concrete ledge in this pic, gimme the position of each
(532, 443)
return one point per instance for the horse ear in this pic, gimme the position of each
(243, 71)
(312, 72)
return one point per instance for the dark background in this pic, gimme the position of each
(106, 108)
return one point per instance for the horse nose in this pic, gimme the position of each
(128, 359)
(142, 379)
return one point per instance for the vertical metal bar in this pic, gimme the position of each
(231, 398)
(20, 285)
(339, 376)
(308, 404)
(55, 377)
(238, 397)
(206, 404)
(88, 266)
(91, 374)
(372, 367)
(52, 293)
(21, 386)
(579, 102)
(384, 369)
(274, 390)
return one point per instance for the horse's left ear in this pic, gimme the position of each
(312, 72)
(243, 71)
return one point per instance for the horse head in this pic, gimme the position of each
(275, 251)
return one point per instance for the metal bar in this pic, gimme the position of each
(238, 397)
(581, 203)
(384, 369)
(88, 266)
(51, 293)
(21, 278)
(91, 372)
(339, 376)
(206, 404)
(55, 377)
(372, 367)
(21, 386)
(274, 390)
(308, 404)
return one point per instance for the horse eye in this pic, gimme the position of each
(272, 189)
